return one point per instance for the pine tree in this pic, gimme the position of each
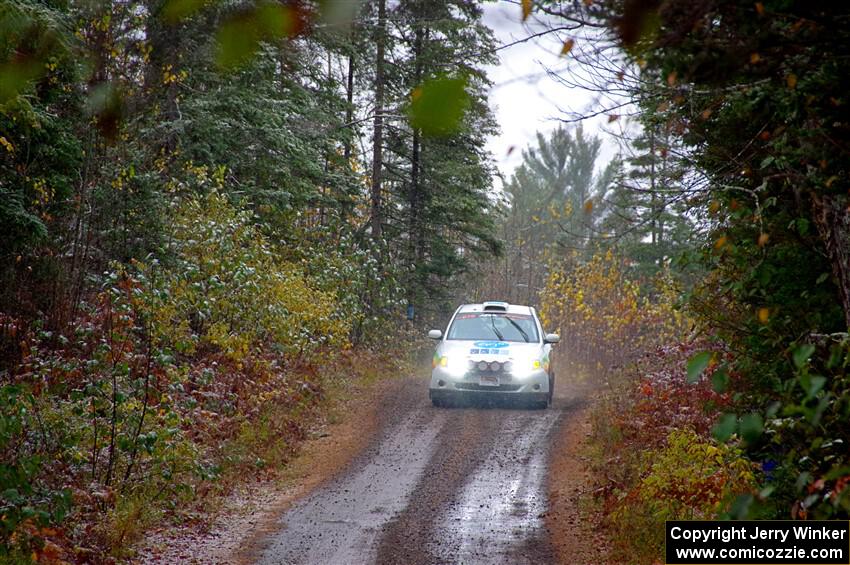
(647, 218)
(557, 202)
(438, 213)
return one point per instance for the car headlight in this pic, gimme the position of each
(454, 365)
(524, 367)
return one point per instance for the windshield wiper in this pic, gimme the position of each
(495, 331)
(517, 326)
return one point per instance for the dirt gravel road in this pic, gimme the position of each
(465, 484)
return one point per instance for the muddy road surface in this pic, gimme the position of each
(465, 484)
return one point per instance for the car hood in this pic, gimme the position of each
(490, 350)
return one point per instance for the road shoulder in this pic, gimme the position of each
(574, 526)
(239, 530)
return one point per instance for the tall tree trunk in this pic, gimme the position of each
(323, 188)
(349, 108)
(416, 240)
(378, 134)
(653, 195)
(833, 222)
(164, 42)
(347, 204)
(414, 220)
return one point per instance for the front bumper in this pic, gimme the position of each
(450, 396)
(444, 383)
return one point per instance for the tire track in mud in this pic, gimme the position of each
(339, 521)
(409, 537)
(498, 516)
(456, 485)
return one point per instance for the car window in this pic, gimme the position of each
(490, 326)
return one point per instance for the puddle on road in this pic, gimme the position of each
(499, 511)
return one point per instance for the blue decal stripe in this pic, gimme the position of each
(491, 344)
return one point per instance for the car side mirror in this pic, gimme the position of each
(552, 338)
(435, 334)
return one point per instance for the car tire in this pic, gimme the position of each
(435, 400)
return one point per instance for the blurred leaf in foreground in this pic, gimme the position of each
(106, 105)
(438, 105)
(175, 10)
(752, 426)
(801, 354)
(16, 75)
(697, 364)
(527, 6)
(239, 36)
(30, 34)
(340, 12)
(725, 427)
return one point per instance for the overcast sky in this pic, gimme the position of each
(524, 98)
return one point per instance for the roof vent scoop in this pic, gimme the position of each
(495, 306)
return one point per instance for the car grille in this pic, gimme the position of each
(475, 375)
(481, 368)
(490, 367)
(476, 386)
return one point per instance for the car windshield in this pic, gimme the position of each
(489, 325)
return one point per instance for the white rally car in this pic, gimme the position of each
(494, 348)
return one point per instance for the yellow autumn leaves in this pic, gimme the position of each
(688, 478)
(228, 289)
(604, 315)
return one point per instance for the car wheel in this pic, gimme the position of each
(435, 400)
